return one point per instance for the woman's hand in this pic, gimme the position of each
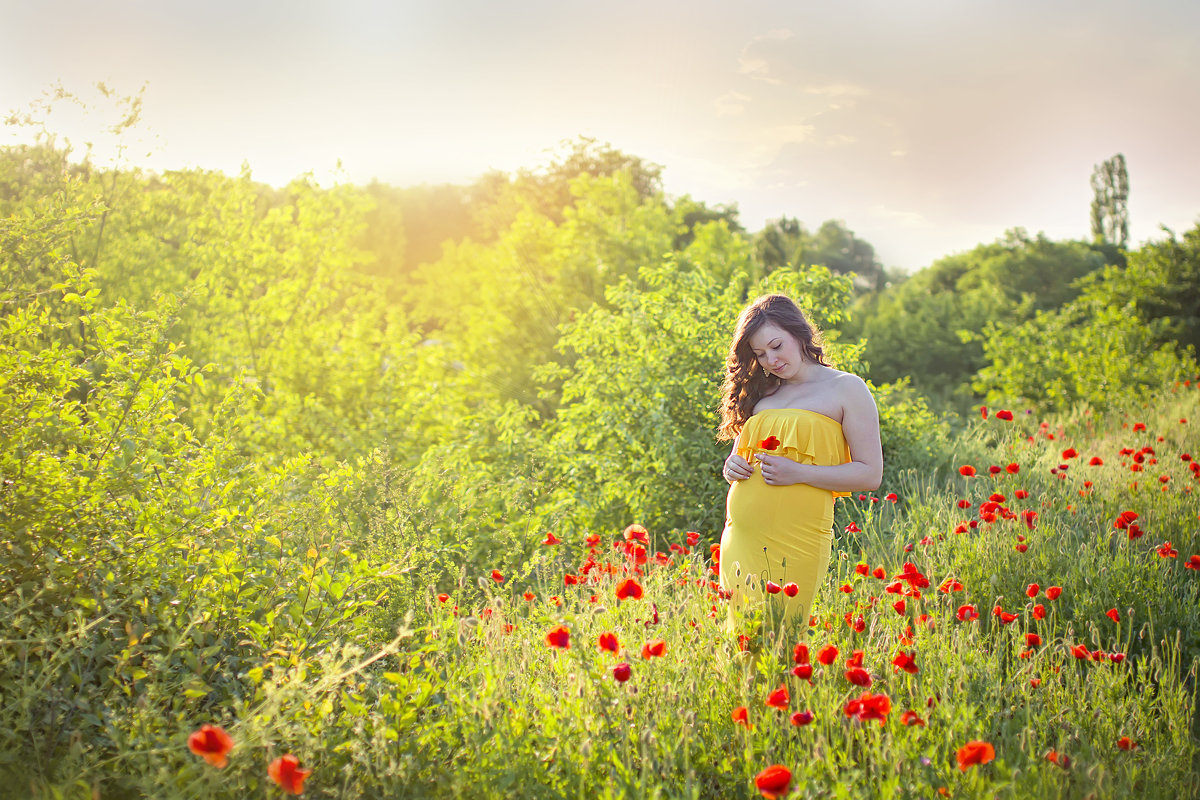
(780, 470)
(736, 468)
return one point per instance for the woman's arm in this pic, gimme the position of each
(860, 424)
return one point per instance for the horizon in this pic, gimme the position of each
(926, 131)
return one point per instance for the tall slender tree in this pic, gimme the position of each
(1110, 213)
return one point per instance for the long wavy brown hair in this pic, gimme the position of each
(746, 382)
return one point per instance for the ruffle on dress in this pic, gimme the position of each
(807, 437)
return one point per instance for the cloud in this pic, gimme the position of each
(902, 219)
(731, 103)
(839, 90)
(756, 66)
(839, 139)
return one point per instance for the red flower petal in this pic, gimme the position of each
(286, 773)
(212, 744)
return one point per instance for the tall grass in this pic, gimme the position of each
(470, 699)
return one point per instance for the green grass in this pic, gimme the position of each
(461, 704)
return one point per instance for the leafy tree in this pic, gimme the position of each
(1163, 283)
(929, 326)
(1110, 211)
(785, 242)
(1130, 329)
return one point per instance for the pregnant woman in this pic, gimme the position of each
(803, 433)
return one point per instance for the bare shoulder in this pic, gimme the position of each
(850, 385)
(851, 389)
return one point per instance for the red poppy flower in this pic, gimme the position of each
(802, 671)
(858, 676)
(654, 648)
(551, 539)
(1021, 494)
(861, 569)
(983, 411)
(1039, 611)
(964, 503)
(497, 577)
(1006, 617)
(1116, 658)
(853, 528)
(773, 588)
(443, 597)
(1139, 426)
(878, 573)
(1070, 453)
(693, 538)
(1030, 518)
(1124, 519)
(622, 672)
(994, 469)
(559, 637)
(1062, 760)
(791, 589)
(1113, 614)
(773, 781)
(779, 698)
(873, 706)
(801, 718)
(1004, 414)
(899, 606)
(827, 654)
(212, 744)
(966, 612)
(1032, 590)
(1013, 468)
(845, 588)
(1165, 550)
(629, 589)
(1053, 592)
(913, 576)
(742, 714)
(1033, 640)
(1193, 562)
(911, 717)
(892, 497)
(1035, 682)
(636, 533)
(973, 753)
(286, 773)
(800, 653)
(966, 471)
(1125, 743)
(906, 662)
(1080, 651)
(608, 641)
(950, 585)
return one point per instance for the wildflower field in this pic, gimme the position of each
(1025, 628)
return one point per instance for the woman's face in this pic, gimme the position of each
(777, 351)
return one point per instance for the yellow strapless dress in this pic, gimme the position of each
(780, 533)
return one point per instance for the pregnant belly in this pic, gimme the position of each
(755, 508)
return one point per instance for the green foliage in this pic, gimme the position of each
(928, 327)
(1130, 329)
(786, 242)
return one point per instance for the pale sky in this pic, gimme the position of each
(927, 126)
